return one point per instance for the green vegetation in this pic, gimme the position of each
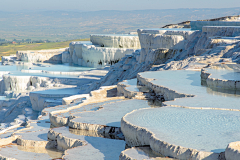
(10, 49)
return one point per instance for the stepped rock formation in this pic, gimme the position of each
(175, 110)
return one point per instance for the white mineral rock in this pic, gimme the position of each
(95, 56)
(116, 41)
(232, 151)
(41, 55)
(198, 25)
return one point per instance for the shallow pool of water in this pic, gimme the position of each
(3, 98)
(41, 69)
(85, 108)
(111, 113)
(225, 74)
(59, 67)
(58, 91)
(131, 85)
(204, 130)
(20, 152)
(200, 124)
(189, 82)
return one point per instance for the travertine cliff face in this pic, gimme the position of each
(116, 41)
(198, 25)
(50, 56)
(102, 50)
(166, 49)
(94, 56)
(167, 39)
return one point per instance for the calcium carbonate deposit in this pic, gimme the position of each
(164, 94)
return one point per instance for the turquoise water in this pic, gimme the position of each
(13, 67)
(3, 98)
(38, 67)
(60, 67)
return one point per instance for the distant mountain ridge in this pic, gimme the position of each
(63, 25)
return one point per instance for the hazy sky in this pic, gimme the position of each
(94, 5)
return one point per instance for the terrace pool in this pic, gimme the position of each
(189, 82)
(208, 121)
(225, 72)
(204, 130)
(44, 69)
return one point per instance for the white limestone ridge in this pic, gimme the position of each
(92, 107)
(101, 50)
(116, 40)
(51, 55)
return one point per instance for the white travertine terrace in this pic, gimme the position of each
(14, 152)
(125, 90)
(52, 56)
(85, 146)
(198, 25)
(96, 56)
(101, 50)
(9, 58)
(57, 115)
(232, 151)
(228, 31)
(185, 32)
(144, 136)
(15, 84)
(233, 84)
(106, 118)
(162, 38)
(185, 113)
(75, 52)
(116, 40)
(44, 99)
(35, 135)
(136, 135)
(139, 153)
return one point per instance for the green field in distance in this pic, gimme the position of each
(11, 49)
